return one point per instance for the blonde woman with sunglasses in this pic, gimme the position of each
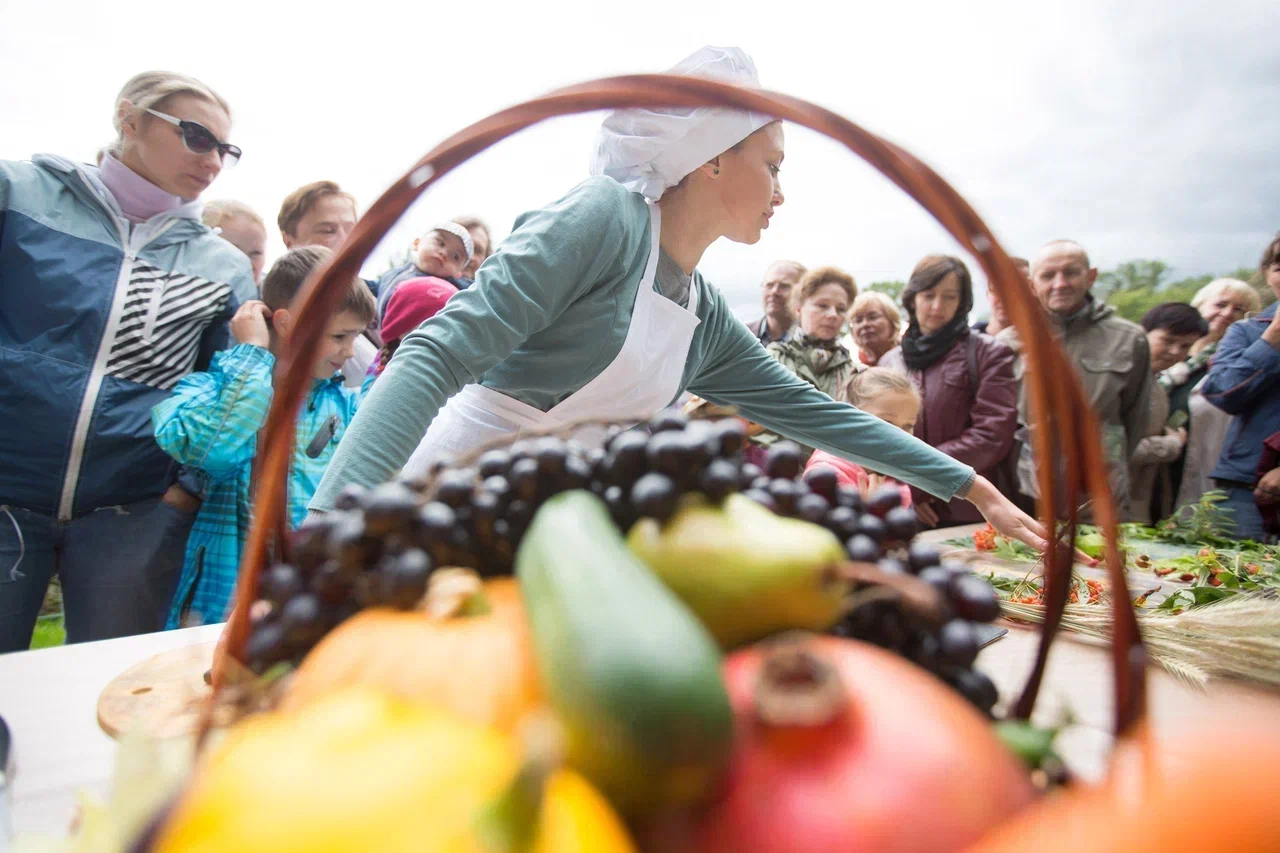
(111, 290)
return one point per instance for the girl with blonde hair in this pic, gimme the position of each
(891, 397)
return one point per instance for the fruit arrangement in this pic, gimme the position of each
(404, 659)
(752, 552)
(793, 742)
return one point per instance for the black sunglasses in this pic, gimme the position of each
(198, 139)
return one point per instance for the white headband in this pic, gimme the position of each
(462, 234)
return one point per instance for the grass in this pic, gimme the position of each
(49, 632)
(49, 627)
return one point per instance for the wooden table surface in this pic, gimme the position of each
(49, 699)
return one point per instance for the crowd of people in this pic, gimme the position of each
(1187, 400)
(141, 326)
(138, 343)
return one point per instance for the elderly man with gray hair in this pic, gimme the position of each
(1111, 357)
(775, 290)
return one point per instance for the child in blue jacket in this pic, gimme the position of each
(211, 424)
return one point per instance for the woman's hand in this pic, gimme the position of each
(1011, 522)
(1271, 334)
(925, 513)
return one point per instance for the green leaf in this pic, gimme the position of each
(1014, 551)
(1004, 582)
(1203, 595)
(1008, 587)
(1092, 544)
(1133, 530)
(1030, 743)
(1179, 565)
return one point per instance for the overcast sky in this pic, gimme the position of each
(1142, 129)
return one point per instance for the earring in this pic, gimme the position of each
(715, 171)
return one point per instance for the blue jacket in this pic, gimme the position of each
(99, 320)
(211, 424)
(1244, 380)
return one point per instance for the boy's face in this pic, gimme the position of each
(441, 254)
(337, 345)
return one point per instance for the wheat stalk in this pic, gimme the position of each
(1238, 637)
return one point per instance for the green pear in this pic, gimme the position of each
(745, 572)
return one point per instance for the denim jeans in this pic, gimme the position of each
(1244, 514)
(118, 565)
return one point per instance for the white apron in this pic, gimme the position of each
(643, 378)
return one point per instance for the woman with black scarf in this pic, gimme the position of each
(969, 395)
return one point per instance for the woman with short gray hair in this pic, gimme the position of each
(1221, 302)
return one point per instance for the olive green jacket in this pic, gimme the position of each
(1114, 365)
(826, 368)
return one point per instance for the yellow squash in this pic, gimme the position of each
(359, 770)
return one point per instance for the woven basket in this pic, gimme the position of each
(1066, 426)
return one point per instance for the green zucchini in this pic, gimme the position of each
(632, 674)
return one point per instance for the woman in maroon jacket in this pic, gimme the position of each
(966, 382)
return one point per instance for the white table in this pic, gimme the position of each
(49, 699)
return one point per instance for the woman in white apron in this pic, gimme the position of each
(593, 309)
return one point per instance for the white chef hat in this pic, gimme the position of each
(648, 151)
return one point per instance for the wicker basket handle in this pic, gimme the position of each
(1067, 429)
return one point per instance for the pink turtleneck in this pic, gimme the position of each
(139, 199)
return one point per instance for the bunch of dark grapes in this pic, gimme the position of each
(946, 646)
(880, 530)
(379, 547)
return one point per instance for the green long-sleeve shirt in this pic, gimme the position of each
(550, 310)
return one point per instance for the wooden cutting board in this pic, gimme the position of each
(162, 695)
